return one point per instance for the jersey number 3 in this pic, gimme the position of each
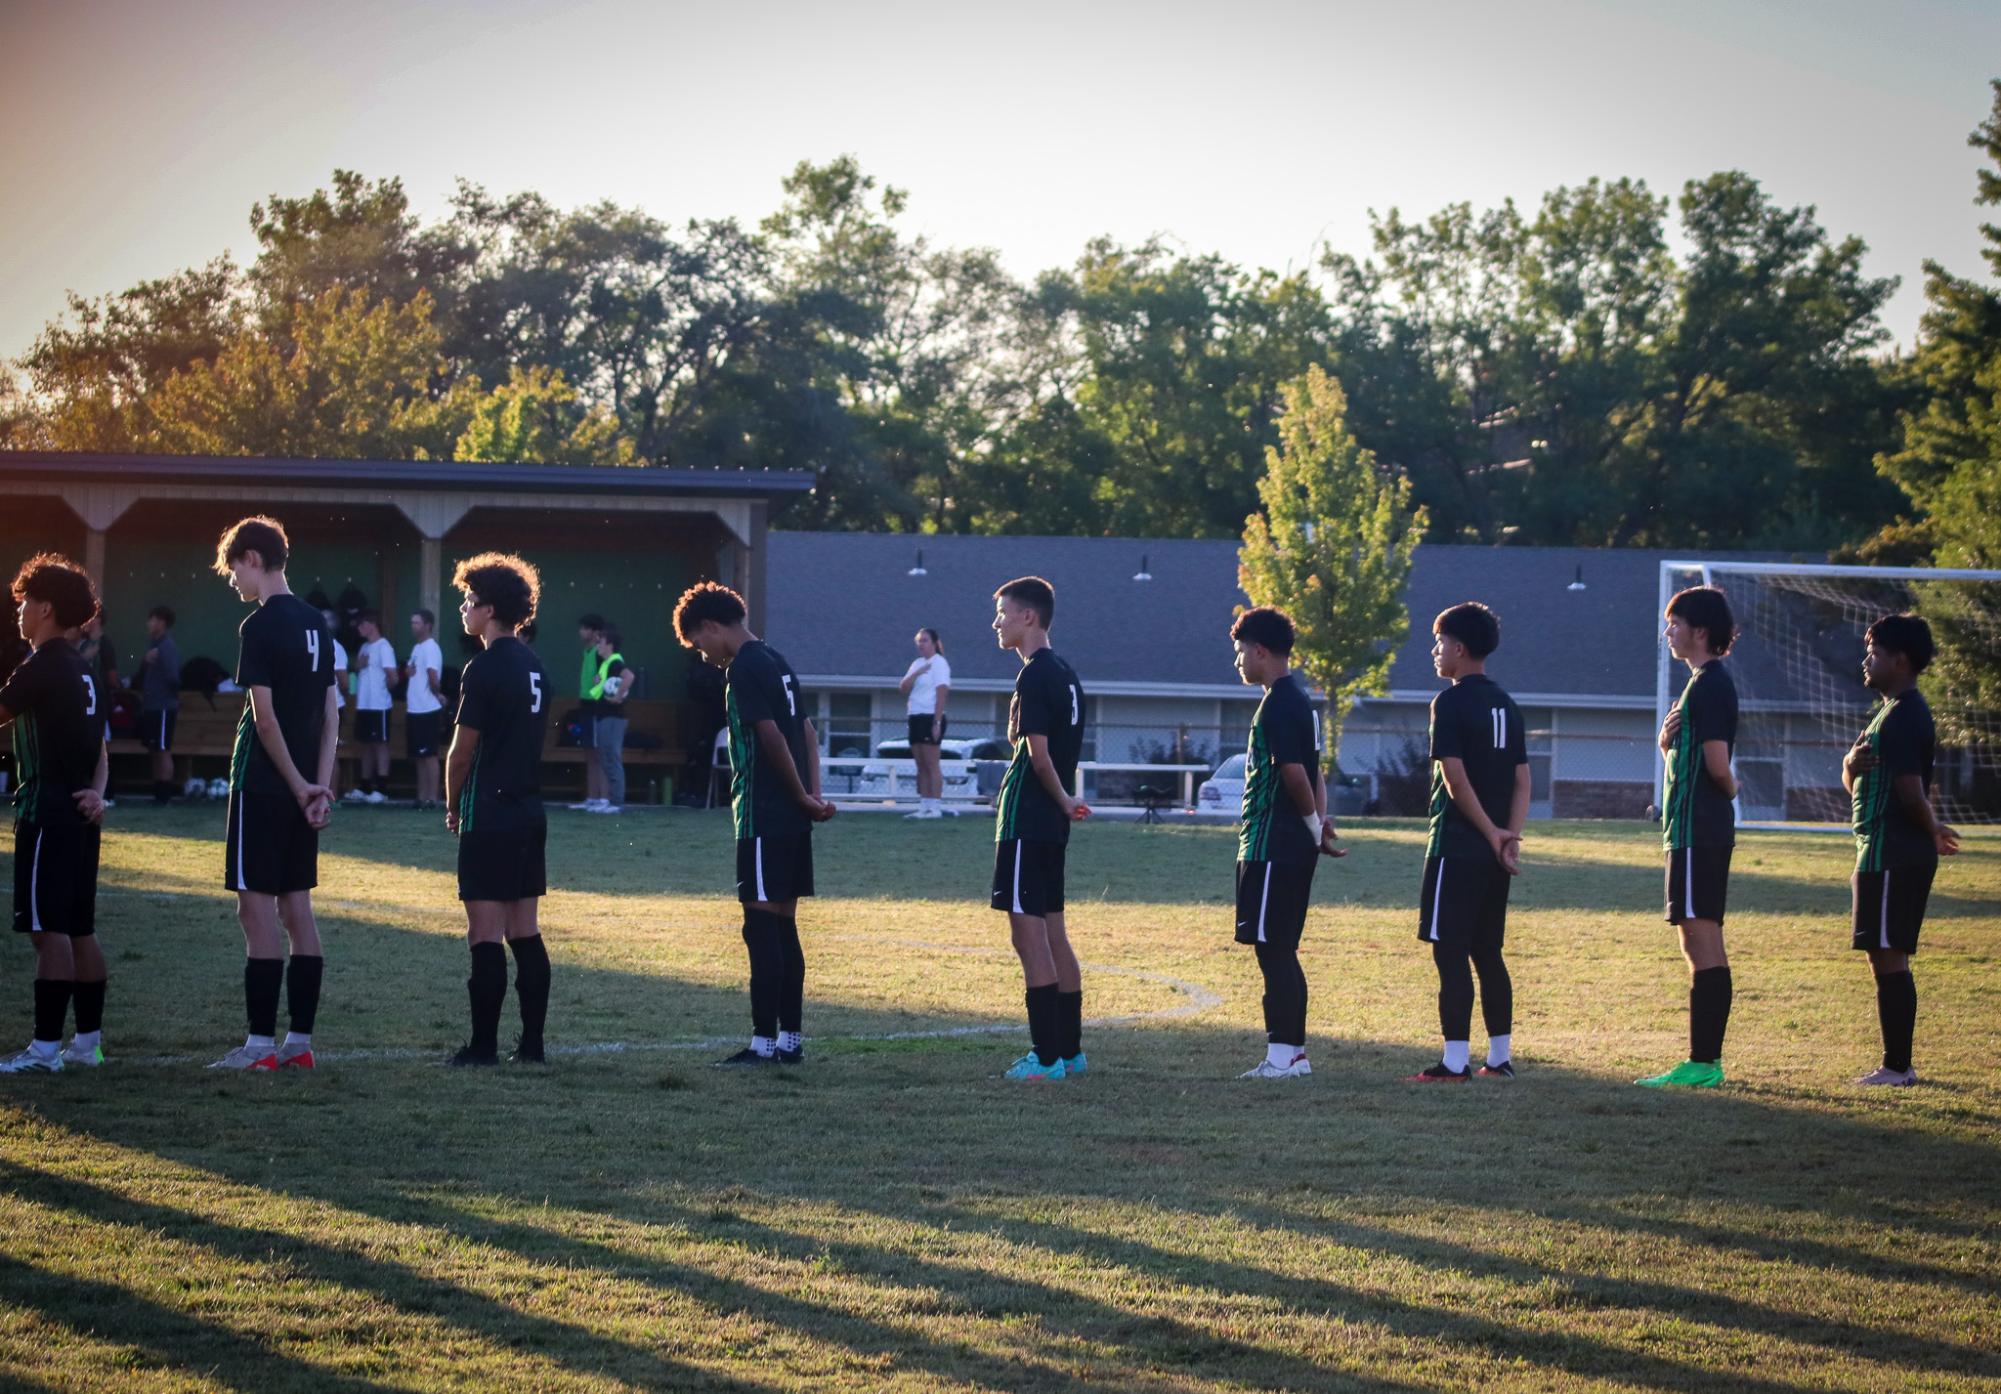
(89, 696)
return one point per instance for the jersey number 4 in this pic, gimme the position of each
(313, 648)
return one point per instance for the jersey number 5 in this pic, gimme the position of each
(534, 693)
(791, 701)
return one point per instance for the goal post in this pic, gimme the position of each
(1797, 664)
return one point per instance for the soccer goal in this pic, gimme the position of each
(1798, 669)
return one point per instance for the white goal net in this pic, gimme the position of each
(1798, 669)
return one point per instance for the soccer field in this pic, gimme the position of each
(893, 1216)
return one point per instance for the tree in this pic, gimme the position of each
(536, 415)
(1332, 546)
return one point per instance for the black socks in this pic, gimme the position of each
(1455, 991)
(89, 999)
(531, 989)
(1497, 993)
(1897, 1011)
(51, 1006)
(1285, 994)
(262, 977)
(487, 989)
(1708, 1014)
(1045, 1029)
(1070, 1022)
(791, 986)
(764, 938)
(302, 991)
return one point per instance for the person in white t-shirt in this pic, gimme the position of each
(926, 687)
(375, 677)
(422, 702)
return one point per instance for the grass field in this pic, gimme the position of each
(892, 1216)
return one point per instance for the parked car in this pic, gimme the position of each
(1223, 791)
(958, 763)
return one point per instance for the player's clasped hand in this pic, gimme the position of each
(819, 810)
(452, 821)
(1076, 810)
(1507, 850)
(1671, 727)
(89, 805)
(1330, 841)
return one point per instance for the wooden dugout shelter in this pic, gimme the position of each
(621, 541)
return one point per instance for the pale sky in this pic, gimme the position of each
(137, 135)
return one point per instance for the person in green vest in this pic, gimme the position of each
(608, 694)
(590, 632)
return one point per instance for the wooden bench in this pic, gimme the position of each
(205, 736)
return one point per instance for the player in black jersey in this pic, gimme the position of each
(1699, 823)
(1479, 802)
(1284, 832)
(1898, 838)
(775, 796)
(493, 803)
(53, 703)
(1032, 817)
(280, 793)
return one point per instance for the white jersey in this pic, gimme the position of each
(371, 692)
(924, 692)
(420, 698)
(340, 667)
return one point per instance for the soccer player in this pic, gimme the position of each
(775, 792)
(1032, 817)
(280, 793)
(1699, 823)
(376, 675)
(160, 698)
(423, 700)
(493, 791)
(1479, 801)
(1898, 838)
(926, 687)
(1284, 831)
(53, 702)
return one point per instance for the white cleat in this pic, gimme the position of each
(608, 808)
(922, 813)
(1264, 1069)
(32, 1062)
(248, 1057)
(354, 796)
(378, 797)
(83, 1057)
(1886, 1075)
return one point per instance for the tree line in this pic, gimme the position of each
(1611, 367)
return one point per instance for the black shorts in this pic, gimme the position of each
(55, 879)
(1464, 901)
(156, 730)
(503, 863)
(920, 730)
(1890, 906)
(1271, 901)
(1698, 882)
(371, 727)
(420, 733)
(270, 848)
(774, 868)
(1028, 877)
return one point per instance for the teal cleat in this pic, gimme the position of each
(1075, 1065)
(1031, 1067)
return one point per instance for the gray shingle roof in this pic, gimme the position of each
(842, 604)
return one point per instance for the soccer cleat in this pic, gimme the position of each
(1689, 1074)
(525, 1054)
(89, 1058)
(377, 797)
(790, 1057)
(246, 1057)
(32, 1062)
(608, 808)
(1030, 1066)
(1504, 1070)
(295, 1057)
(354, 796)
(587, 806)
(1075, 1064)
(466, 1056)
(1885, 1075)
(747, 1056)
(922, 814)
(1438, 1074)
(1264, 1069)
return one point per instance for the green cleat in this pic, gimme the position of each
(1689, 1074)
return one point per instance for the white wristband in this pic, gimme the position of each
(1313, 825)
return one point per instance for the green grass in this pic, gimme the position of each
(893, 1217)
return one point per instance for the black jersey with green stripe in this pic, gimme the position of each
(1905, 741)
(1478, 724)
(1695, 811)
(759, 685)
(284, 645)
(58, 732)
(1048, 701)
(503, 695)
(1285, 731)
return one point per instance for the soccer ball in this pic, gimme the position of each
(195, 789)
(613, 684)
(218, 788)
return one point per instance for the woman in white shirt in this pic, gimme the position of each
(927, 686)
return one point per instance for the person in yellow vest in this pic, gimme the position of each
(590, 630)
(608, 692)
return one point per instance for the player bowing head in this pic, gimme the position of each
(493, 803)
(57, 714)
(280, 792)
(1283, 832)
(775, 800)
(1033, 812)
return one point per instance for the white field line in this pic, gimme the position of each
(1200, 999)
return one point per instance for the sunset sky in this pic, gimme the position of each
(139, 134)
